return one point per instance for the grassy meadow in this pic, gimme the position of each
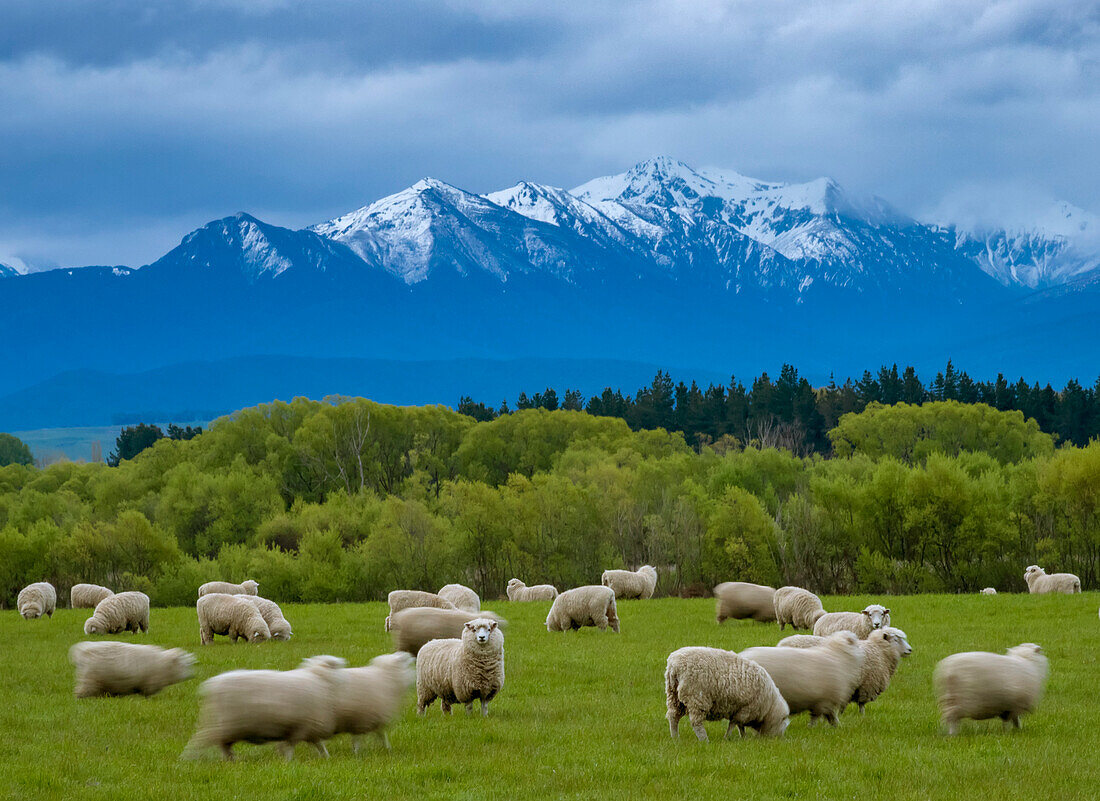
(581, 715)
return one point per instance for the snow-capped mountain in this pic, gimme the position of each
(6, 271)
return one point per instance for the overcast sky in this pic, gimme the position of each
(124, 125)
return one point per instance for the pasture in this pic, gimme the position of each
(581, 715)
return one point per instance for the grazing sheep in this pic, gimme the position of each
(121, 668)
(862, 623)
(518, 591)
(412, 628)
(278, 625)
(462, 597)
(712, 684)
(1039, 582)
(737, 600)
(249, 587)
(369, 698)
(799, 607)
(259, 706)
(821, 680)
(981, 685)
(36, 600)
(989, 591)
(591, 605)
(126, 611)
(86, 596)
(409, 599)
(638, 583)
(229, 615)
(458, 671)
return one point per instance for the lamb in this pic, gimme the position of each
(989, 591)
(259, 706)
(119, 668)
(36, 600)
(862, 623)
(591, 605)
(412, 628)
(820, 680)
(462, 597)
(86, 596)
(799, 607)
(1041, 583)
(981, 685)
(712, 684)
(638, 583)
(459, 671)
(738, 600)
(369, 698)
(126, 611)
(408, 599)
(272, 615)
(249, 587)
(518, 591)
(227, 614)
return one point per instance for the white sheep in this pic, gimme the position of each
(249, 587)
(989, 591)
(260, 706)
(862, 623)
(738, 600)
(121, 668)
(712, 684)
(461, 596)
(461, 670)
(591, 605)
(219, 613)
(277, 625)
(126, 611)
(638, 583)
(369, 698)
(1039, 582)
(518, 591)
(412, 628)
(409, 599)
(86, 596)
(980, 685)
(819, 680)
(36, 600)
(799, 607)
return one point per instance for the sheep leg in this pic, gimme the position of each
(384, 738)
(831, 716)
(674, 723)
(696, 717)
(227, 752)
(206, 636)
(446, 706)
(355, 743)
(484, 708)
(320, 747)
(469, 707)
(729, 729)
(287, 750)
(952, 725)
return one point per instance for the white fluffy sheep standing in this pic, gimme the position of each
(740, 600)
(980, 685)
(1039, 582)
(875, 616)
(638, 583)
(409, 599)
(125, 611)
(122, 668)
(249, 587)
(591, 605)
(36, 600)
(461, 596)
(799, 607)
(369, 698)
(277, 624)
(463, 670)
(518, 591)
(712, 684)
(86, 596)
(412, 628)
(235, 617)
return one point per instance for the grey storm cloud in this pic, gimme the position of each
(127, 124)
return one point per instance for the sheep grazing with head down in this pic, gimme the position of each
(980, 685)
(87, 596)
(861, 624)
(638, 583)
(126, 611)
(249, 587)
(412, 628)
(712, 684)
(738, 600)
(518, 591)
(409, 599)
(463, 670)
(122, 668)
(231, 616)
(461, 596)
(591, 605)
(798, 607)
(1039, 582)
(278, 625)
(369, 698)
(36, 600)
(989, 591)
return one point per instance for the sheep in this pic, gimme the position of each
(258, 706)
(36, 600)
(249, 587)
(86, 596)
(799, 607)
(126, 611)
(462, 597)
(278, 625)
(738, 600)
(862, 623)
(518, 591)
(989, 591)
(120, 668)
(981, 685)
(1039, 582)
(369, 698)
(712, 684)
(591, 605)
(638, 583)
(458, 671)
(227, 614)
(412, 628)
(820, 680)
(408, 599)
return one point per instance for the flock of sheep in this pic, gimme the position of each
(453, 650)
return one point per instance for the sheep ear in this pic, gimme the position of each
(886, 612)
(492, 625)
(866, 613)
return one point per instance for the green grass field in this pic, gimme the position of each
(581, 716)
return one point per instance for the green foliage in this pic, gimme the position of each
(132, 440)
(14, 451)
